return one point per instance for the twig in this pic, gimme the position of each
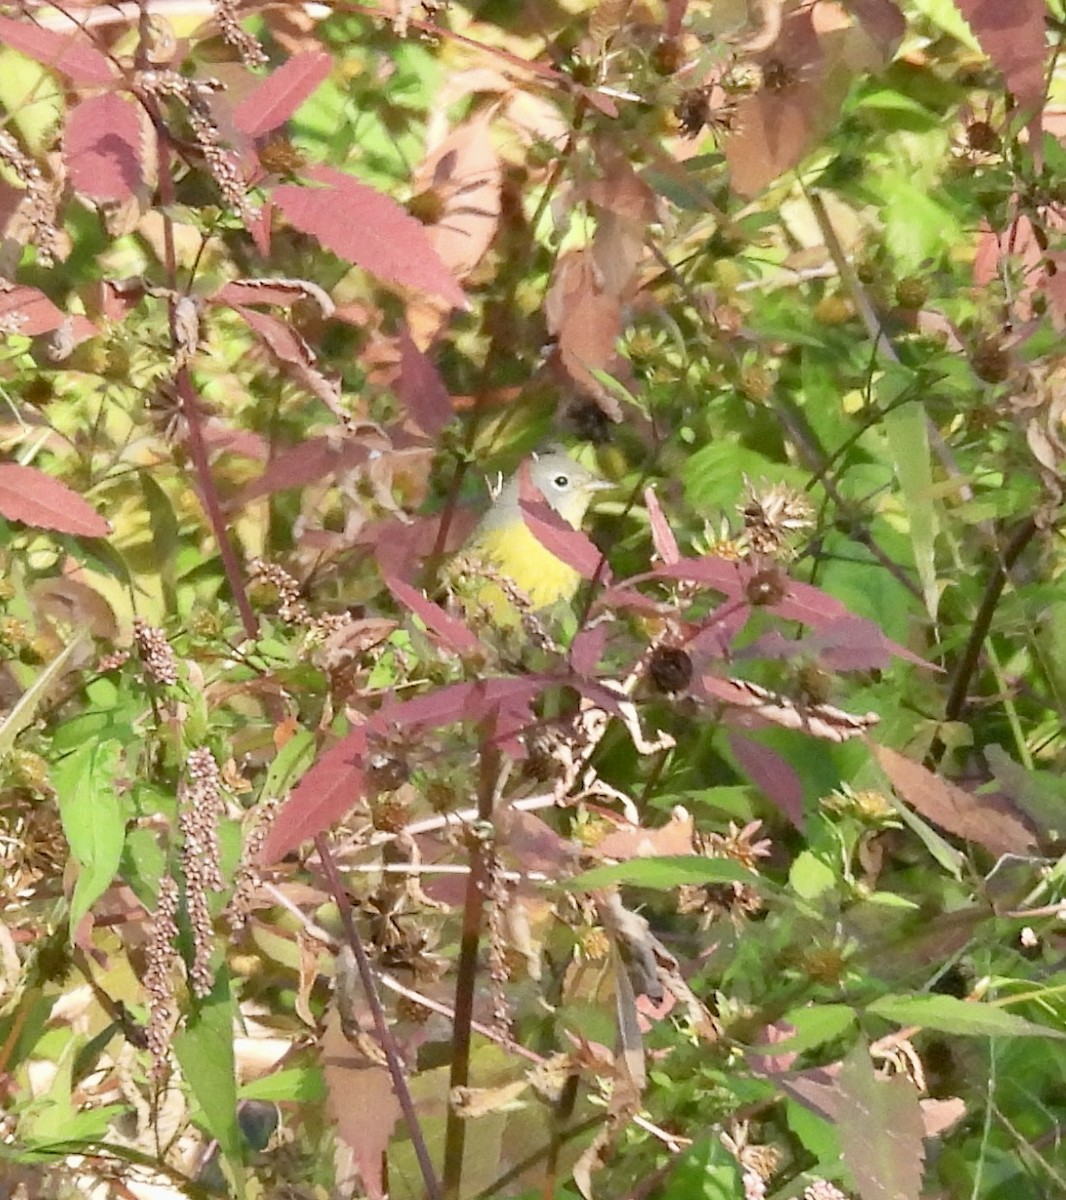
(477, 885)
(384, 1034)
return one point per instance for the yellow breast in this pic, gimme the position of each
(514, 552)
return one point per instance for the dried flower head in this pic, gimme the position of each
(155, 652)
(222, 163)
(251, 52)
(708, 107)
(738, 901)
(160, 960)
(773, 515)
(871, 807)
(200, 807)
(38, 207)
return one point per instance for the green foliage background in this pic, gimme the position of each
(835, 331)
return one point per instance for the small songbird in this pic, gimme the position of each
(503, 544)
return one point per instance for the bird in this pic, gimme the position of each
(503, 545)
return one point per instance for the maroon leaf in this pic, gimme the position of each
(327, 793)
(309, 461)
(367, 228)
(1011, 33)
(334, 785)
(989, 821)
(882, 20)
(281, 93)
(772, 775)
(586, 649)
(281, 292)
(294, 352)
(421, 389)
(29, 311)
(72, 52)
(38, 500)
(469, 701)
(102, 144)
(847, 643)
(662, 535)
(453, 634)
(554, 534)
(887, 1166)
(367, 1126)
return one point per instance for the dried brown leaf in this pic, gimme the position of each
(987, 820)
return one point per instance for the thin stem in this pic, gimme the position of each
(384, 1034)
(477, 885)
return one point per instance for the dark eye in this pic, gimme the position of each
(561, 481)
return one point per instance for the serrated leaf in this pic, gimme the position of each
(93, 822)
(880, 1127)
(368, 228)
(951, 1015)
(664, 873)
(38, 500)
(814, 1025)
(273, 101)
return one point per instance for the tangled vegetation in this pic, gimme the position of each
(739, 877)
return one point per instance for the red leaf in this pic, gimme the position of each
(367, 228)
(469, 701)
(421, 389)
(29, 310)
(1011, 33)
(71, 53)
(366, 1126)
(329, 790)
(987, 820)
(281, 93)
(888, 1166)
(281, 338)
(586, 322)
(38, 500)
(554, 534)
(662, 535)
(309, 461)
(463, 174)
(280, 292)
(586, 649)
(334, 785)
(102, 146)
(772, 775)
(453, 634)
(293, 351)
(775, 129)
(882, 20)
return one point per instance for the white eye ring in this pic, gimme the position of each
(561, 481)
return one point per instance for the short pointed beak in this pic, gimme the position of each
(599, 485)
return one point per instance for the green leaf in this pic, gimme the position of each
(25, 708)
(165, 534)
(951, 1015)
(907, 429)
(664, 873)
(706, 1171)
(204, 1048)
(810, 876)
(93, 821)
(880, 1127)
(304, 1085)
(814, 1026)
(289, 764)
